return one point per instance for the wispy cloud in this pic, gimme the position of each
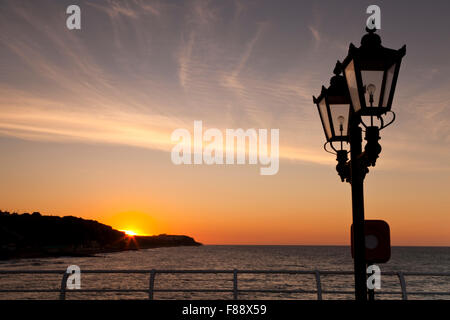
(145, 77)
(128, 9)
(316, 35)
(184, 60)
(134, 129)
(199, 18)
(231, 80)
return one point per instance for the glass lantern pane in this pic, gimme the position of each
(339, 116)
(387, 90)
(352, 85)
(372, 81)
(325, 118)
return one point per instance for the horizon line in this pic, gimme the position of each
(323, 245)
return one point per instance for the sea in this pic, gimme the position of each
(227, 257)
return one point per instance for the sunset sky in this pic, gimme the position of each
(86, 117)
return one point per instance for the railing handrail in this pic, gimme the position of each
(234, 290)
(280, 271)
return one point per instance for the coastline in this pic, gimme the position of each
(36, 236)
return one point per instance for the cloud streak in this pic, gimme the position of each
(159, 66)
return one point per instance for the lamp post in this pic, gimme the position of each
(366, 89)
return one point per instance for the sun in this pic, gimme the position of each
(129, 233)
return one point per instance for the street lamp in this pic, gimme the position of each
(334, 106)
(370, 74)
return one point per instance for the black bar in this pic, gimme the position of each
(228, 309)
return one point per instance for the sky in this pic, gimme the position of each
(86, 117)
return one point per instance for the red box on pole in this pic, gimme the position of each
(378, 241)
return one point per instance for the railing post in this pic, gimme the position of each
(62, 293)
(152, 284)
(235, 284)
(319, 285)
(403, 285)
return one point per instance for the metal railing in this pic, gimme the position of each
(235, 291)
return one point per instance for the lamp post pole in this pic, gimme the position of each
(357, 174)
(368, 69)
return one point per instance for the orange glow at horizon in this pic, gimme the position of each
(133, 223)
(129, 233)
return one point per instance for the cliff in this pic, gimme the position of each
(34, 235)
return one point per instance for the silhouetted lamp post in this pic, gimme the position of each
(366, 89)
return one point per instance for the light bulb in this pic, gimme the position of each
(371, 89)
(340, 120)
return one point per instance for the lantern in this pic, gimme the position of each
(371, 73)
